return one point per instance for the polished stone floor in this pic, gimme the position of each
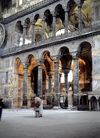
(54, 124)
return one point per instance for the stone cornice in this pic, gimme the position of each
(28, 10)
(46, 43)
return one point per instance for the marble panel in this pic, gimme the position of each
(96, 85)
(97, 44)
(96, 65)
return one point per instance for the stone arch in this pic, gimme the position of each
(46, 55)
(59, 3)
(60, 12)
(38, 27)
(17, 63)
(93, 103)
(18, 76)
(32, 76)
(82, 45)
(49, 17)
(85, 65)
(19, 27)
(65, 57)
(36, 16)
(47, 59)
(32, 63)
(28, 24)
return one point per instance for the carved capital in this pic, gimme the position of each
(66, 9)
(54, 13)
(25, 65)
(66, 69)
(33, 22)
(24, 25)
(75, 55)
(39, 62)
(56, 59)
(43, 17)
(79, 3)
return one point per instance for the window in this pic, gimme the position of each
(96, 13)
(20, 2)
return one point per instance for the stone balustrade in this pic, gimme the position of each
(86, 32)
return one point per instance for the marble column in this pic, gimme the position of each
(92, 15)
(66, 21)
(98, 105)
(76, 80)
(17, 39)
(66, 71)
(33, 31)
(80, 15)
(50, 77)
(24, 33)
(54, 24)
(50, 86)
(25, 79)
(56, 83)
(39, 78)
(43, 27)
(90, 105)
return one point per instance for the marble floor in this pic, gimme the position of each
(54, 124)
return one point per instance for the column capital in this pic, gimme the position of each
(79, 3)
(25, 65)
(66, 9)
(66, 70)
(24, 25)
(75, 55)
(43, 17)
(39, 62)
(33, 22)
(54, 13)
(56, 59)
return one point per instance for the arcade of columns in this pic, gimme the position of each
(66, 70)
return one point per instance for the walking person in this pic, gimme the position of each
(1, 107)
(37, 105)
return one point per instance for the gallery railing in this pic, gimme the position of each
(85, 32)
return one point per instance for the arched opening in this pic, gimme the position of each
(49, 20)
(85, 67)
(93, 103)
(18, 75)
(66, 77)
(47, 77)
(32, 78)
(73, 14)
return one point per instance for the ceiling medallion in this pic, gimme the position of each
(2, 34)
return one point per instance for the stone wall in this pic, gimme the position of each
(6, 70)
(96, 64)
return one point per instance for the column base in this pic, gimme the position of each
(24, 107)
(73, 108)
(56, 107)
